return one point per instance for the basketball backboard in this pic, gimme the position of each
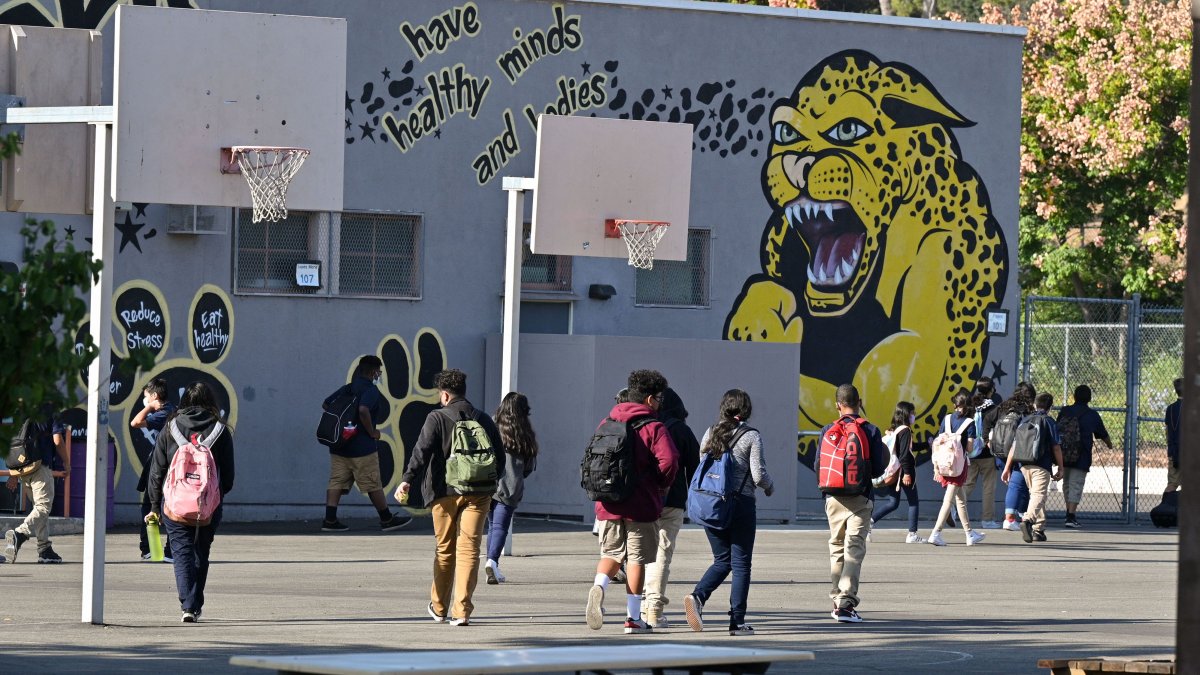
(189, 82)
(51, 67)
(592, 169)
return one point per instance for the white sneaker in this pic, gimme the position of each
(914, 538)
(492, 570)
(868, 537)
(974, 537)
(1012, 525)
(595, 608)
(935, 538)
(990, 525)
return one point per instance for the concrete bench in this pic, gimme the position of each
(1098, 665)
(655, 657)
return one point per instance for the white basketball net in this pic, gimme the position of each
(268, 172)
(641, 238)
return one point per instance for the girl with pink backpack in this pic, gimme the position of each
(887, 491)
(191, 470)
(962, 423)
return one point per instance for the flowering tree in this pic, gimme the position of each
(1103, 146)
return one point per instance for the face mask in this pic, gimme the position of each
(145, 401)
(912, 419)
(377, 380)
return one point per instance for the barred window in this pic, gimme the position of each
(359, 254)
(679, 283)
(543, 272)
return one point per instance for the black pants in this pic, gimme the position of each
(190, 547)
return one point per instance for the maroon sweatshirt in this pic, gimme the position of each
(657, 461)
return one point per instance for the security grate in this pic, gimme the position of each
(679, 283)
(543, 272)
(378, 255)
(266, 253)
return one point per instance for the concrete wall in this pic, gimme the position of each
(901, 335)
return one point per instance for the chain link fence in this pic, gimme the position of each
(1128, 355)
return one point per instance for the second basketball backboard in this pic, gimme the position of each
(190, 82)
(592, 169)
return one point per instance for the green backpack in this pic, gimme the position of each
(471, 466)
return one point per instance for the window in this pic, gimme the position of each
(360, 254)
(542, 272)
(678, 283)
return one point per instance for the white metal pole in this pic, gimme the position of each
(95, 517)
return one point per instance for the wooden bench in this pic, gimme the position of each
(656, 657)
(1105, 665)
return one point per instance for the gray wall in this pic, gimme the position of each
(284, 354)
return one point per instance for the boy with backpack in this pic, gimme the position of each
(1035, 448)
(628, 468)
(458, 460)
(851, 454)
(28, 462)
(1078, 427)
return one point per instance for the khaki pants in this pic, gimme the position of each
(849, 522)
(37, 523)
(983, 469)
(954, 496)
(1173, 476)
(458, 528)
(1038, 480)
(659, 571)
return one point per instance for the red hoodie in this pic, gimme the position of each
(657, 461)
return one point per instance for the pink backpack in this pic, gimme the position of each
(192, 488)
(946, 453)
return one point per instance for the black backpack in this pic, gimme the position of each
(339, 418)
(1166, 514)
(608, 472)
(24, 448)
(1004, 433)
(1069, 439)
(1027, 442)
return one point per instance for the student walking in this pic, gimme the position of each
(733, 546)
(1016, 495)
(45, 435)
(1079, 427)
(521, 447)
(628, 533)
(198, 420)
(1174, 418)
(983, 470)
(459, 498)
(962, 422)
(848, 509)
(899, 441)
(1038, 472)
(673, 415)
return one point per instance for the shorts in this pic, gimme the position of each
(347, 471)
(629, 541)
(1073, 480)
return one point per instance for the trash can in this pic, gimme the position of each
(78, 478)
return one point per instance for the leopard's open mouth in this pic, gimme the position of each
(835, 238)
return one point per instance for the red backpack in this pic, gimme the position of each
(192, 488)
(844, 465)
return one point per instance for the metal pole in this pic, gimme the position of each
(1028, 331)
(1134, 379)
(1187, 624)
(1066, 363)
(95, 516)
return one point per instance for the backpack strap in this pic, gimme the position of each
(737, 436)
(946, 422)
(962, 427)
(180, 439)
(212, 437)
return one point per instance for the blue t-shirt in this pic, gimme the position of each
(156, 420)
(369, 395)
(1090, 428)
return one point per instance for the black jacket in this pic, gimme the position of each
(673, 415)
(426, 471)
(191, 420)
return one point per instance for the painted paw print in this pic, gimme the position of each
(408, 388)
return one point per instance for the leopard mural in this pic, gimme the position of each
(881, 255)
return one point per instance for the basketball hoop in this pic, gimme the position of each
(640, 236)
(268, 171)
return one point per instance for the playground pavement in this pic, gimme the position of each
(285, 588)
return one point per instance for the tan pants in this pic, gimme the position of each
(37, 523)
(983, 469)
(659, 571)
(458, 528)
(1173, 477)
(1038, 480)
(954, 495)
(849, 522)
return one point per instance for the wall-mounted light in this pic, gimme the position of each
(601, 291)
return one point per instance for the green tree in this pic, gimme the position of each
(41, 305)
(1103, 146)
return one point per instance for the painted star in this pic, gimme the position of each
(129, 233)
(437, 133)
(420, 90)
(70, 232)
(368, 131)
(347, 124)
(712, 114)
(349, 104)
(387, 74)
(666, 92)
(997, 372)
(140, 210)
(587, 67)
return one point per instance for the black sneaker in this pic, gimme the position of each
(48, 556)
(848, 615)
(1027, 531)
(333, 526)
(1039, 536)
(146, 556)
(1072, 522)
(12, 544)
(394, 522)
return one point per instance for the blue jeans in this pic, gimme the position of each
(887, 500)
(189, 547)
(1016, 499)
(501, 517)
(732, 550)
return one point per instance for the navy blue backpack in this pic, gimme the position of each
(710, 496)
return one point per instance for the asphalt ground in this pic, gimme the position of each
(285, 588)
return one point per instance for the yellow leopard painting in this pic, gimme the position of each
(881, 255)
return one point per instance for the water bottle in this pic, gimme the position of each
(155, 538)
